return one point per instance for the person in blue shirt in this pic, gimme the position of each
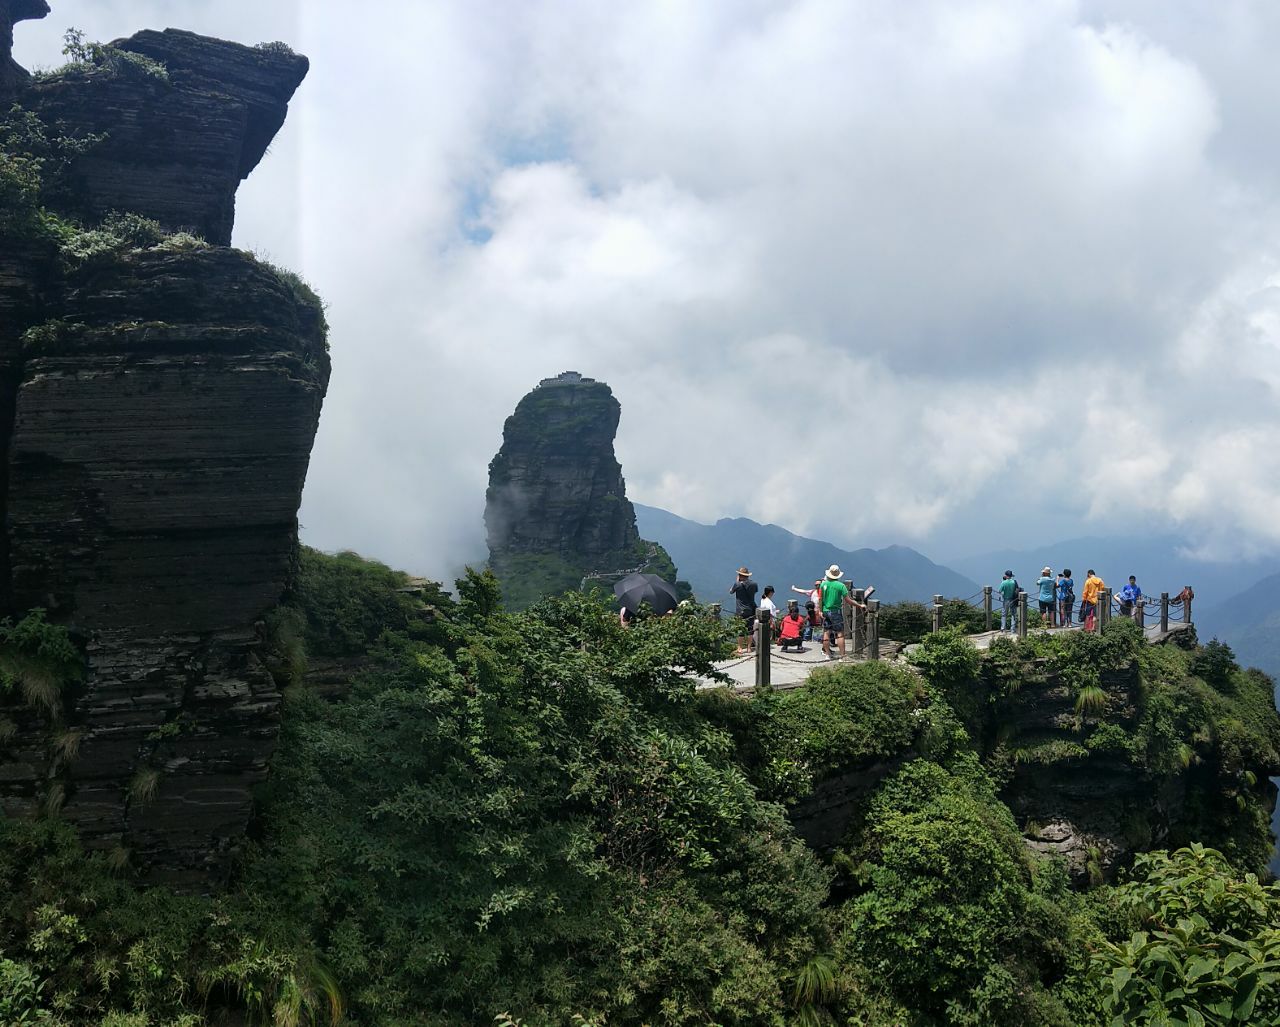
(1130, 596)
(1048, 596)
(1066, 597)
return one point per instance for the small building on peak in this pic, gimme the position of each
(567, 378)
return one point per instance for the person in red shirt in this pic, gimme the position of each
(792, 627)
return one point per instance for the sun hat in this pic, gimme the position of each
(834, 573)
(743, 572)
(1047, 570)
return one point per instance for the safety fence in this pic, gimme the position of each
(862, 623)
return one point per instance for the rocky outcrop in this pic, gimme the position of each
(157, 407)
(13, 75)
(214, 107)
(556, 509)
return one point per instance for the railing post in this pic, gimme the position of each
(764, 640)
(1164, 612)
(1104, 608)
(1140, 612)
(873, 629)
(1186, 610)
(856, 622)
(1022, 613)
(937, 613)
(986, 604)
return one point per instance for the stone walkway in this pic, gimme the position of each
(792, 669)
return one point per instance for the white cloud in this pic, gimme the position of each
(878, 272)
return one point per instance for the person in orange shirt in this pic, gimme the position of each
(1093, 586)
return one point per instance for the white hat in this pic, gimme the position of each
(834, 573)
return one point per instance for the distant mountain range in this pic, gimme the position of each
(709, 554)
(1157, 562)
(1249, 622)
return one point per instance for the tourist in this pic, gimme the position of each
(834, 593)
(814, 594)
(1184, 597)
(1009, 603)
(1093, 586)
(626, 617)
(767, 604)
(792, 628)
(1066, 597)
(743, 591)
(1048, 596)
(814, 620)
(1130, 598)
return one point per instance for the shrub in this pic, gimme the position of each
(947, 889)
(844, 717)
(86, 57)
(1209, 952)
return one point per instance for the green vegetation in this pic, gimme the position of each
(536, 819)
(85, 57)
(33, 164)
(1208, 947)
(912, 622)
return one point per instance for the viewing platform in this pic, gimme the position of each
(791, 669)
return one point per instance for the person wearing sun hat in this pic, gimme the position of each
(744, 591)
(834, 593)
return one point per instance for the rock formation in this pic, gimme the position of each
(158, 404)
(556, 510)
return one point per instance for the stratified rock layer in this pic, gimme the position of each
(157, 408)
(174, 149)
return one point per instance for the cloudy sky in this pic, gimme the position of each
(955, 275)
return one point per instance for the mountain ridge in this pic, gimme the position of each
(708, 555)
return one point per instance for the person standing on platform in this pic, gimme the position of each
(834, 593)
(1048, 596)
(1130, 597)
(1009, 603)
(744, 592)
(1066, 597)
(1093, 586)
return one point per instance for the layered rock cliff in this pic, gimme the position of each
(556, 509)
(159, 395)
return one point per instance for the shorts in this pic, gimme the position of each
(833, 620)
(1047, 606)
(748, 621)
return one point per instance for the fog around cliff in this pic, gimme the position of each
(959, 276)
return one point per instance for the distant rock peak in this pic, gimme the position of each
(556, 510)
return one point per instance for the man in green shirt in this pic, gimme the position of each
(834, 592)
(1009, 602)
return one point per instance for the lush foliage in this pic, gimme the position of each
(1208, 951)
(86, 57)
(33, 163)
(537, 818)
(846, 716)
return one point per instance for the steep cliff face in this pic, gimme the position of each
(556, 509)
(158, 402)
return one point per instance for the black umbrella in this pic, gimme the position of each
(635, 589)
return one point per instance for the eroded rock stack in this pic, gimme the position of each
(157, 407)
(556, 509)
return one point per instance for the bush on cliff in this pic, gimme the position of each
(536, 823)
(1205, 948)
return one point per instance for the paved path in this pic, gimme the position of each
(792, 669)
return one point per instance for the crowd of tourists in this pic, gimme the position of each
(1055, 595)
(823, 612)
